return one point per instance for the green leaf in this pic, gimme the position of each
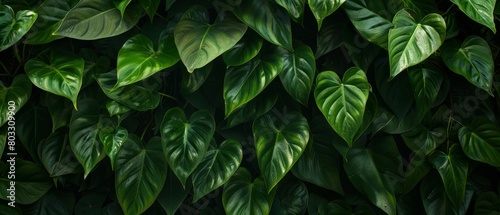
(291, 198)
(323, 8)
(411, 43)
(199, 42)
(57, 157)
(433, 196)
(193, 81)
(371, 19)
(132, 96)
(54, 202)
(114, 108)
(57, 72)
(242, 196)
(185, 141)
(90, 204)
(480, 11)
(417, 169)
(424, 140)
(173, 194)
(295, 8)
(472, 60)
(361, 52)
(86, 123)
(140, 174)
(12, 29)
(91, 20)
(50, 13)
(453, 168)
(481, 141)
(60, 110)
(343, 102)
(247, 48)
(3, 138)
(363, 172)
(487, 203)
(113, 139)
(272, 22)
(32, 126)
(31, 182)
(426, 81)
(94, 65)
(150, 6)
(255, 108)
(121, 5)
(216, 168)
(245, 82)
(14, 97)
(328, 37)
(421, 7)
(299, 69)
(169, 4)
(138, 59)
(280, 140)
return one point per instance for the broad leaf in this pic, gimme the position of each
(411, 42)
(371, 20)
(299, 69)
(57, 157)
(295, 8)
(132, 96)
(323, 8)
(58, 73)
(113, 139)
(138, 59)
(343, 102)
(50, 14)
(272, 22)
(487, 203)
(328, 37)
(243, 83)
(60, 110)
(481, 141)
(242, 196)
(199, 42)
(291, 197)
(114, 108)
(31, 182)
(86, 123)
(424, 140)
(247, 48)
(173, 194)
(480, 11)
(420, 7)
(360, 51)
(91, 20)
(150, 6)
(32, 126)
(453, 168)
(193, 81)
(426, 81)
(472, 60)
(54, 202)
(216, 168)
(94, 65)
(90, 204)
(140, 174)
(121, 5)
(279, 142)
(255, 108)
(13, 28)
(434, 197)
(14, 97)
(185, 141)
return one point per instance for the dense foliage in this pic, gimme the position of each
(250, 106)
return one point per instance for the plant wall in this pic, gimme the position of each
(249, 107)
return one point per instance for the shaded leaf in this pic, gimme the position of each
(290, 198)
(247, 48)
(481, 141)
(193, 81)
(426, 81)
(57, 157)
(31, 182)
(173, 194)
(295, 8)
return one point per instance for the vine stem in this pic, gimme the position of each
(168, 96)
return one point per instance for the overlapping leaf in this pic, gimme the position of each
(57, 157)
(113, 139)
(121, 5)
(290, 198)
(247, 48)
(13, 28)
(50, 15)
(480, 11)
(32, 126)
(193, 81)
(426, 81)
(17, 94)
(295, 8)
(257, 107)
(31, 183)
(150, 6)
(481, 141)
(323, 8)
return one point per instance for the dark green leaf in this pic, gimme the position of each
(258, 106)
(57, 157)
(115, 108)
(32, 126)
(90, 204)
(172, 194)
(295, 8)
(480, 11)
(14, 97)
(323, 8)
(31, 182)
(424, 140)
(247, 48)
(113, 139)
(50, 13)
(487, 203)
(433, 197)
(193, 81)
(426, 81)
(150, 6)
(13, 28)
(291, 198)
(121, 5)
(481, 141)
(328, 37)
(60, 110)
(54, 202)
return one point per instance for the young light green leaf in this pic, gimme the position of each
(113, 139)
(14, 97)
(199, 42)
(480, 11)
(272, 22)
(140, 174)
(453, 168)
(216, 168)
(481, 141)
(91, 20)
(411, 42)
(280, 140)
(12, 29)
(50, 15)
(185, 141)
(58, 73)
(247, 48)
(472, 60)
(323, 8)
(343, 102)
(138, 59)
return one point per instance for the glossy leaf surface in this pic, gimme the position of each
(479, 11)
(17, 94)
(113, 139)
(481, 141)
(14, 26)
(50, 14)
(323, 8)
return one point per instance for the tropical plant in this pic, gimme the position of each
(249, 107)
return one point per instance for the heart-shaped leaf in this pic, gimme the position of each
(150, 6)
(280, 140)
(453, 168)
(14, 97)
(31, 182)
(199, 42)
(480, 11)
(343, 102)
(243, 83)
(371, 19)
(173, 194)
(272, 23)
(50, 15)
(299, 69)
(472, 60)
(13, 28)
(113, 139)
(323, 8)
(295, 8)
(57, 157)
(91, 20)
(216, 168)
(86, 123)
(290, 198)
(426, 81)
(58, 73)
(185, 141)
(481, 141)
(242, 196)
(132, 96)
(247, 48)
(411, 42)
(138, 59)
(140, 174)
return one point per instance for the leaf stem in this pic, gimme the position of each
(168, 96)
